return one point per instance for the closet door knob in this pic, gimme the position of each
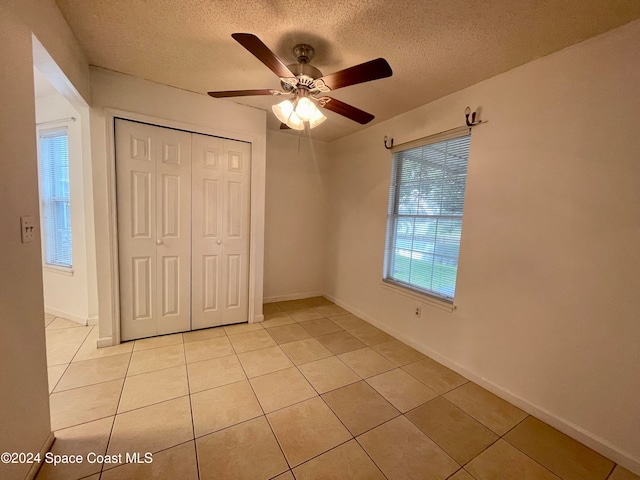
(159, 242)
(219, 242)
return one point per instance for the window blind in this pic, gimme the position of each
(54, 195)
(424, 223)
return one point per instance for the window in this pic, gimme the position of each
(424, 222)
(53, 149)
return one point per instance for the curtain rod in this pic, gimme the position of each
(57, 121)
(469, 124)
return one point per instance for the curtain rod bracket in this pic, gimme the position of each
(473, 122)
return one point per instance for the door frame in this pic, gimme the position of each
(256, 241)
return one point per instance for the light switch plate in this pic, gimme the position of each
(27, 227)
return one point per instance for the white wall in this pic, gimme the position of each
(159, 104)
(295, 225)
(547, 299)
(23, 373)
(72, 296)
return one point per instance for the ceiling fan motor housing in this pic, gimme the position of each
(304, 73)
(303, 52)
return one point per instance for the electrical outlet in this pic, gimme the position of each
(418, 312)
(27, 227)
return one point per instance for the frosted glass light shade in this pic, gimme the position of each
(305, 109)
(288, 113)
(317, 119)
(283, 110)
(295, 122)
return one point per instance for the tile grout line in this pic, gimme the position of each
(525, 454)
(114, 379)
(67, 365)
(317, 395)
(262, 409)
(193, 426)
(72, 357)
(151, 405)
(611, 472)
(353, 437)
(145, 406)
(337, 446)
(331, 410)
(365, 450)
(87, 385)
(498, 437)
(115, 415)
(90, 384)
(82, 343)
(53, 390)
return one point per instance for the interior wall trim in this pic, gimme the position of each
(105, 342)
(292, 296)
(35, 466)
(66, 315)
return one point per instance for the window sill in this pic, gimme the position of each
(68, 271)
(421, 297)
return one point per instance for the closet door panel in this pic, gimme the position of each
(183, 224)
(210, 281)
(136, 188)
(207, 201)
(237, 216)
(153, 170)
(174, 230)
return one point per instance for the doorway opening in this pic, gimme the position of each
(66, 194)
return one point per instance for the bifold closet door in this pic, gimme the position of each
(221, 175)
(153, 170)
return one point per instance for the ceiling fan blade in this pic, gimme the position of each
(262, 53)
(345, 110)
(284, 126)
(365, 72)
(240, 93)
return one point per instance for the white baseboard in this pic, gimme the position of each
(104, 342)
(35, 467)
(258, 319)
(291, 296)
(93, 320)
(591, 440)
(66, 315)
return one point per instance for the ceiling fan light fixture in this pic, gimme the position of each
(305, 109)
(295, 122)
(287, 113)
(317, 119)
(304, 80)
(283, 110)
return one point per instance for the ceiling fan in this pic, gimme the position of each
(307, 85)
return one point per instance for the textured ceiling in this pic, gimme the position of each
(434, 47)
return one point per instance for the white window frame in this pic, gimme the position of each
(48, 200)
(393, 215)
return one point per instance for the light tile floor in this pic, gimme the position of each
(313, 392)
